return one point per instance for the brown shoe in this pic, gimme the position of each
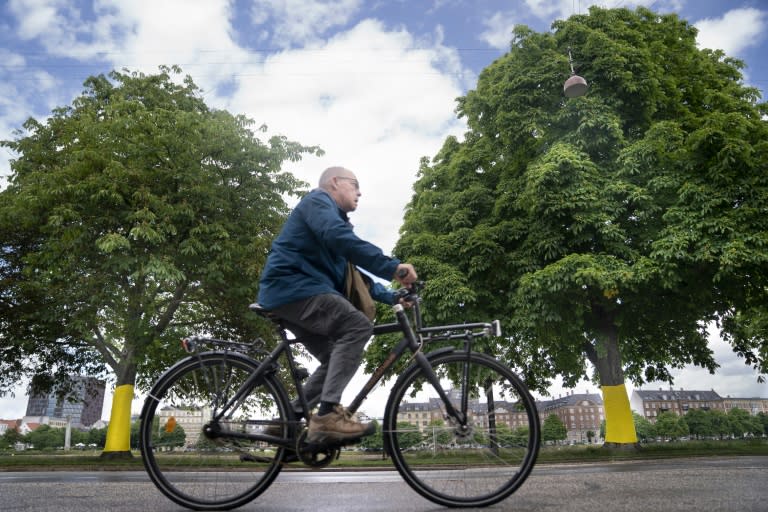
(338, 425)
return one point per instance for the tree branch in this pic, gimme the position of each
(173, 305)
(104, 349)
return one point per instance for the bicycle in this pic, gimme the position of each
(448, 421)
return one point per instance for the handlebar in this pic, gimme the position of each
(410, 294)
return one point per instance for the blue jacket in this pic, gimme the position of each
(309, 256)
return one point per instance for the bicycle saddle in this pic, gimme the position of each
(257, 308)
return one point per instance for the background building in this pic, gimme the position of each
(580, 413)
(190, 419)
(753, 406)
(650, 404)
(82, 405)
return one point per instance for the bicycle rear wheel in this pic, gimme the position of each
(474, 464)
(191, 465)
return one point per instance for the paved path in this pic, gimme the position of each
(738, 484)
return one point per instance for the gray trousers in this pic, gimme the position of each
(335, 333)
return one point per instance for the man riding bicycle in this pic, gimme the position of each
(303, 282)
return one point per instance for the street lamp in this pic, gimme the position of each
(575, 86)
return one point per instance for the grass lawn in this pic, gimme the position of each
(91, 461)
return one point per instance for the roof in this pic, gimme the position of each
(11, 423)
(681, 394)
(570, 401)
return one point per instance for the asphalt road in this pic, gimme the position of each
(738, 484)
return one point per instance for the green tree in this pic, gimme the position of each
(553, 429)
(374, 442)
(644, 428)
(505, 436)
(699, 423)
(763, 418)
(754, 426)
(740, 422)
(721, 424)
(134, 436)
(409, 434)
(133, 217)
(608, 231)
(97, 436)
(45, 437)
(670, 426)
(591, 436)
(78, 436)
(437, 433)
(10, 437)
(519, 436)
(176, 437)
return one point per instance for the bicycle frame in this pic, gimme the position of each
(413, 340)
(447, 444)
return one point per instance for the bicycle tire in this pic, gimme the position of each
(452, 467)
(212, 473)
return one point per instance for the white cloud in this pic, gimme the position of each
(733, 378)
(498, 33)
(375, 101)
(734, 32)
(301, 22)
(36, 17)
(137, 34)
(499, 30)
(562, 9)
(547, 9)
(15, 83)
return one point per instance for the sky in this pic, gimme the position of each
(372, 82)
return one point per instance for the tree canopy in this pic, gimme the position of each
(133, 217)
(553, 429)
(611, 228)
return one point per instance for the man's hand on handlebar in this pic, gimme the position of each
(408, 295)
(406, 274)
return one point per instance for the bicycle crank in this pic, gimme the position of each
(313, 454)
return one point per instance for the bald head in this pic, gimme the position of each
(326, 178)
(342, 185)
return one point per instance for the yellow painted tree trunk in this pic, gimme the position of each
(605, 354)
(118, 444)
(619, 424)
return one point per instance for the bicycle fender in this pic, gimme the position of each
(153, 391)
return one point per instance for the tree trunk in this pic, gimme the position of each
(118, 444)
(606, 357)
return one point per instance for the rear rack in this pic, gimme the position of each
(193, 343)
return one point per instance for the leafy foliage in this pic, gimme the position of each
(134, 216)
(645, 429)
(553, 429)
(670, 426)
(374, 442)
(612, 228)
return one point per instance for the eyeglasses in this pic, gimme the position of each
(355, 183)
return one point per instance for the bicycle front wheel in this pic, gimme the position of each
(191, 465)
(466, 463)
